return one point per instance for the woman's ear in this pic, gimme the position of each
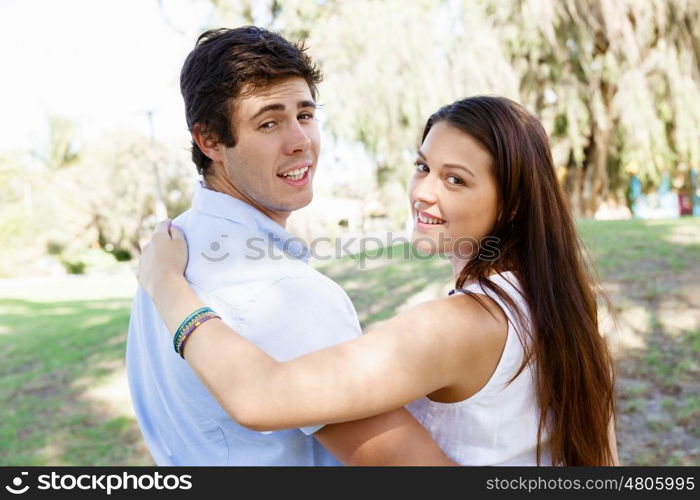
(208, 143)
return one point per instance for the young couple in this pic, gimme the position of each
(242, 360)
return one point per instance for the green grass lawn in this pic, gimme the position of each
(64, 343)
(65, 402)
(638, 250)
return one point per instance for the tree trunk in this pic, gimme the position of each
(572, 186)
(594, 187)
(596, 183)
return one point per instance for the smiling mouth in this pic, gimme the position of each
(295, 175)
(427, 219)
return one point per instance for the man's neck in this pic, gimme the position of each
(223, 185)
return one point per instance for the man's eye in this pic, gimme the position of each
(306, 116)
(454, 180)
(421, 167)
(267, 125)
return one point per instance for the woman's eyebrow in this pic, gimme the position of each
(449, 165)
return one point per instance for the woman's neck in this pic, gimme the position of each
(457, 263)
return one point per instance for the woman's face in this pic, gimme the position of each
(453, 193)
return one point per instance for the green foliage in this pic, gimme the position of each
(104, 198)
(73, 267)
(116, 186)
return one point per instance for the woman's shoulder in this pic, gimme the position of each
(461, 318)
(474, 331)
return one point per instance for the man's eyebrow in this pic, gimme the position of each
(449, 165)
(306, 104)
(265, 109)
(280, 107)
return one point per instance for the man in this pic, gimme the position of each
(250, 105)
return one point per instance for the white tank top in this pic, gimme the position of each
(498, 424)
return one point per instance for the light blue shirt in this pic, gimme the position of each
(237, 266)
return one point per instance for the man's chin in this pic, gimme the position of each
(301, 202)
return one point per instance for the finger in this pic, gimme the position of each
(163, 226)
(176, 232)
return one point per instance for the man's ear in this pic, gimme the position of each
(207, 142)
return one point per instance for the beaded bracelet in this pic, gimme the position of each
(187, 321)
(189, 324)
(205, 317)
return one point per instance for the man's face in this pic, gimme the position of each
(277, 145)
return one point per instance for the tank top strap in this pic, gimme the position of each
(507, 282)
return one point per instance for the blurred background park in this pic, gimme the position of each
(94, 151)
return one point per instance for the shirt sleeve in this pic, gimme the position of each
(298, 315)
(295, 316)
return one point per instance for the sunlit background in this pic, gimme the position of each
(94, 151)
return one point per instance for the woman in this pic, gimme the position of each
(510, 369)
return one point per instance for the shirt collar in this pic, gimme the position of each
(227, 207)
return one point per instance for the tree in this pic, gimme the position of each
(118, 193)
(617, 77)
(615, 82)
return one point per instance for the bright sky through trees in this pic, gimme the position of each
(103, 64)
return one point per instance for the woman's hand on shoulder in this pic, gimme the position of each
(163, 259)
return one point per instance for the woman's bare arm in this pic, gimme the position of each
(409, 356)
(613, 441)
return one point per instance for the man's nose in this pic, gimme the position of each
(297, 139)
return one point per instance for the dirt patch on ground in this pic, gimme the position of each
(657, 350)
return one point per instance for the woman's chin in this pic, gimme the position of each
(424, 246)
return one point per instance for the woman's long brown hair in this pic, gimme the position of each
(539, 243)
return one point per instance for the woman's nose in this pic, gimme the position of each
(424, 193)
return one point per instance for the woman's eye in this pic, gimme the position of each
(421, 167)
(267, 125)
(454, 180)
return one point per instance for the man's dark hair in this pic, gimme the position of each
(229, 63)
